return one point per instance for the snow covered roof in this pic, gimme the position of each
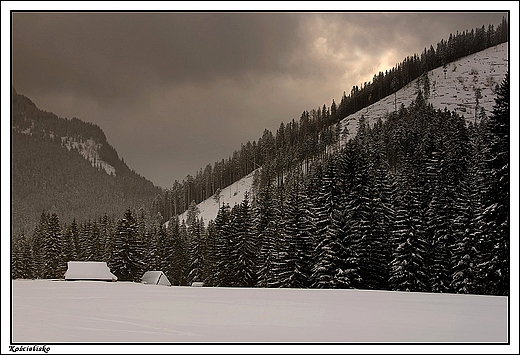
(89, 270)
(155, 278)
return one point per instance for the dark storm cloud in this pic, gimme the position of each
(118, 55)
(176, 91)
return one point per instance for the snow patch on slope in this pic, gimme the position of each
(232, 195)
(89, 149)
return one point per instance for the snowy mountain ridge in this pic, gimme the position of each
(454, 87)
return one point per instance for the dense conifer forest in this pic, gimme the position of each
(417, 202)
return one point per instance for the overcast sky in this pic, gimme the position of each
(176, 91)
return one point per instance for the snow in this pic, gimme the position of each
(155, 278)
(89, 149)
(47, 311)
(88, 270)
(232, 195)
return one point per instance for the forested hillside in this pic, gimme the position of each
(68, 167)
(309, 137)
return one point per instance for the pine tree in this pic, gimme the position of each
(52, 248)
(68, 247)
(22, 266)
(125, 260)
(224, 246)
(464, 253)
(153, 248)
(37, 245)
(297, 237)
(91, 242)
(358, 228)
(468, 233)
(245, 246)
(211, 255)
(166, 252)
(438, 229)
(267, 231)
(329, 267)
(179, 259)
(83, 245)
(408, 268)
(106, 227)
(196, 240)
(494, 263)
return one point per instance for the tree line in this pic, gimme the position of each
(418, 201)
(316, 130)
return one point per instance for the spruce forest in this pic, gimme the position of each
(417, 202)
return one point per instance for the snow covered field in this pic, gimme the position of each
(46, 312)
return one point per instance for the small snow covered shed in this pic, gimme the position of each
(155, 278)
(89, 270)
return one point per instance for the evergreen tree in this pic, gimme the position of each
(196, 240)
(37, 245)
(153, 248)
(21, 260)
(245, 246)
(328, 271)
(464, 253)
(297, 236)
(494, 263)
(410, 249)
(165, 248)
(438, 229)
(106, 226)
(211, 255)
(68, 246)
(224, 246)
(83, 243)
(267, 229)
(126, 257)
(179, 259)
(52, 248)
(91, 242)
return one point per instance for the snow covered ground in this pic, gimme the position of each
(46, 312)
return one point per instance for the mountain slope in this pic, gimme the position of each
(455, 91)
(68, 167)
